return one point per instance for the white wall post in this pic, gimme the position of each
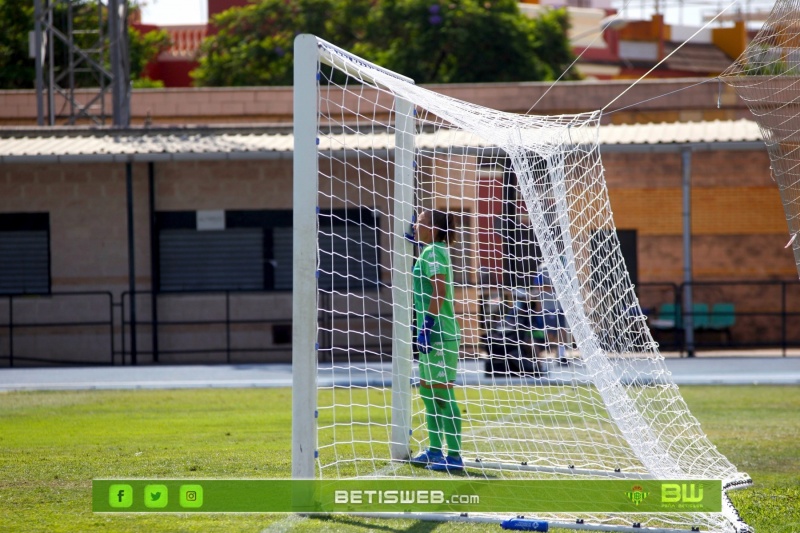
(304, 296)
(402, 263)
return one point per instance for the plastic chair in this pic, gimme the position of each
(700, 319)
(722, 318)
(669, 317)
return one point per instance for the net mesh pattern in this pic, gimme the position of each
(559, 374)
(766, 76)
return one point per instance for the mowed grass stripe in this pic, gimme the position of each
(53, 443)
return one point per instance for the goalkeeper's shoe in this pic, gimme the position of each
(447, 464)
(427, 457)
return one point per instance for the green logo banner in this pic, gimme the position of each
(405, 495)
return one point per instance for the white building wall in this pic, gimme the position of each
(638, 50)
(680, 34)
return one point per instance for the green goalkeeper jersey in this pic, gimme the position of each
(434, 261)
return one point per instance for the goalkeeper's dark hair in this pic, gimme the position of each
(443, 225)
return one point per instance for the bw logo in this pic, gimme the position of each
(636, 494)
(683, 493)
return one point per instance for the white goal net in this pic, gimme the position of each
(558, 373)
(767, 77)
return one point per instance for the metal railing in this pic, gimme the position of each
(767, 314)
(373, 313)
(210, 333)
(36, 326)
(91, 328)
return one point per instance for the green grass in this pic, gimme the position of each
(53, 443)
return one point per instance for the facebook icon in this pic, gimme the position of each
(120, 496)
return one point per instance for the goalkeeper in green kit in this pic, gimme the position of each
(437, 340)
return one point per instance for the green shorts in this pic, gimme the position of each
(440, 364)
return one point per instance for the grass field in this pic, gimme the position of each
(52, 444)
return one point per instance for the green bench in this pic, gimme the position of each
(720, 317)
(669, 317)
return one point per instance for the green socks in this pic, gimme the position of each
(432, 421)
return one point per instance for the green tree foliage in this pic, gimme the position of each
(467, 41)
(142, 49)
(459, 41)
(253, 44)
(17, 69)
(551, 43)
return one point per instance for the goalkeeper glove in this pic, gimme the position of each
(411, 234)
(424, 338)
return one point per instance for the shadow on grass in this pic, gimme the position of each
(471, 472)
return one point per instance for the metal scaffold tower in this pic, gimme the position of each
(82, 70)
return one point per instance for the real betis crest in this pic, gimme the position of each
(636, 494)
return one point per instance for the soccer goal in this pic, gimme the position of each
(559, 376)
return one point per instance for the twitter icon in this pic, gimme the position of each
(155, 496)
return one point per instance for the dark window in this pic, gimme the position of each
(230, 259)
(349, 256)
(248, 252)
(25, 253)
(627, 244)
(607, 247)
(253, 250)
(282, 334)
(603, 249)
(282, 259)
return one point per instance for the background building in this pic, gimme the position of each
(211, 235)
(190, 208)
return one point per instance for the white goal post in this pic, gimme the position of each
(558, 375)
